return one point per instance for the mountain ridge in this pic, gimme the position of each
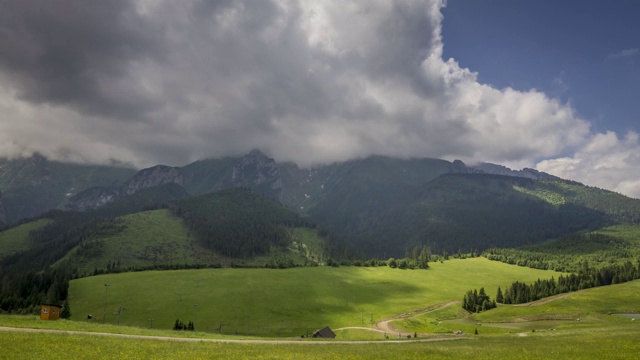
(385, 205)
(283, 181)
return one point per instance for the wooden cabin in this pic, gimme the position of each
(50, 312)
(326, 333)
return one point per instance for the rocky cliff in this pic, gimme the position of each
(92, 198)
(154, 176)
(257, 170)
(147, 178)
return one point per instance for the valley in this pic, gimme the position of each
(578, 325)
(379, 249)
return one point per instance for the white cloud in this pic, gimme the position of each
(605, 161)
(626, 53)
(313, 82)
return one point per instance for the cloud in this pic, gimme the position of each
(605, 161)
(623, 54)
(170, 82)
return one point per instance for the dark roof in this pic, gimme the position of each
(324, 333)
(56, 305)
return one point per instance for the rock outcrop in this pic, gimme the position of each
(154, 176)
(92, 198)
(96, 197)
(257, 170)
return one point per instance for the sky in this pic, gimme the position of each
(544, 84)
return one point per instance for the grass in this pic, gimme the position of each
(505, 332)
(156, 237)
(148, 238)
(17, 239)
(592, 307)
(285, 302)
(618, 343)
(551, 197)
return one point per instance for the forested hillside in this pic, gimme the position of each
(613, 245)
(157, 228)
(467, 212)
(241, 223)
(381, 206)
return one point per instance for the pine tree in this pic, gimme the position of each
(66, 310)
(486, 305)
(499, 296)
(482, 296)
(424, 258)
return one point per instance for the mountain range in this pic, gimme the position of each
(378, 206)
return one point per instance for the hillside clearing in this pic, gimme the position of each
(287, 302)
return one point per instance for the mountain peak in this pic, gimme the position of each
(494, 169)
(256, 153)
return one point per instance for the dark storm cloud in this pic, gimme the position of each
(149, 82)
(75, 52)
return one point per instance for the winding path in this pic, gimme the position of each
(238, 341)
(385, 324)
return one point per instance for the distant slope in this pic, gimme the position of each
(160, 227)
(380, 205)
(31, 186)
(16, 239)
(240, 223)
(140, 240)
(348, 196)
(475, 211)
(237, 227)
(610, 245)
(617, 207)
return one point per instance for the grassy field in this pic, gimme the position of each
(17, 239)
(620, 342)
(586, 309)
(159, 239)
(284, 302)
(156, 237)
(540, 330)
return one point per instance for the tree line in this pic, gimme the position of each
(477, 301)
(520, 293)
(586, 278)
(566, 253)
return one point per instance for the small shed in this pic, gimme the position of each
(325, 333)
(50, 311)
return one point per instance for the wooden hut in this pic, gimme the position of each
(50, 311)
(325, 333)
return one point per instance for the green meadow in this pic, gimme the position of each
(281, 304)
(604, 345)
(289, 302)
(589, 309)
(17, 239)
(159, 239)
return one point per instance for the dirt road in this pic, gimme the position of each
(385, 326)
(167, 338)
